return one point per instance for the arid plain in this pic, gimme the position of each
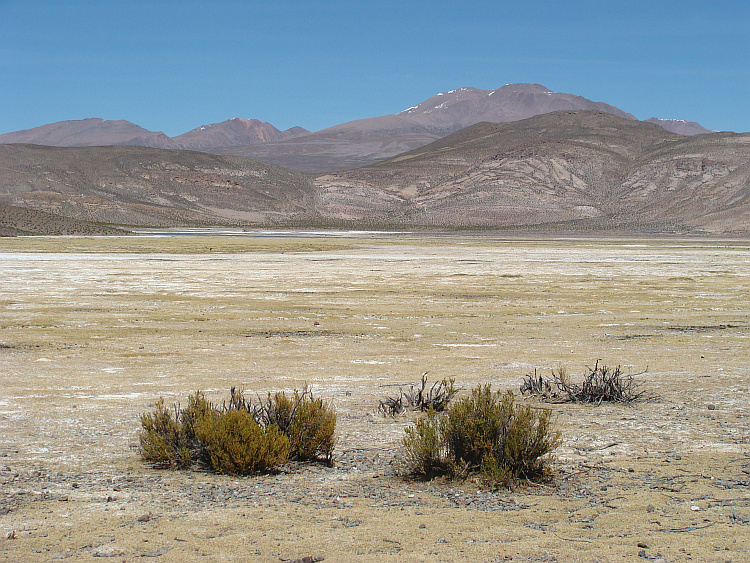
(94, 330)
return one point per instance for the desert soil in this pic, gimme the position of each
(94, 330)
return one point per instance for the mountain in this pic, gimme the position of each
(233, 132)
(18, 221)
(454, 110)
(100, 132)
(364, 141)
(680, 126)
(348, 145)
(580, 170)
(88, 133)
(151, 187)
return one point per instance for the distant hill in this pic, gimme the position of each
(96, 132)
(587, 169)
(680, 126)
(151, 187)
(364, 141)
(573, 170)
(233, 132)
(88, 133)
(348, 145)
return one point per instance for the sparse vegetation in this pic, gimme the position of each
(485, 434)
(436, 398)
(601, 384)
(241, 436)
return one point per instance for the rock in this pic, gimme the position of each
(650, 508)
(108, 551)
(144, 517)
(643, 545)
(711, 407)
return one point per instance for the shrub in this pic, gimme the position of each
(312, 432)
(237, 444)
(418, 398)
(239, 437)
(600, 384)
(485, 434)
(309, 423)
(425, 449)
(162, 440)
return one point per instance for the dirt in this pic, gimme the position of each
(94, 330)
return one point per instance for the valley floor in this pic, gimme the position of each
(94, 330)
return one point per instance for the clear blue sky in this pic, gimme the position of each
(171, 65)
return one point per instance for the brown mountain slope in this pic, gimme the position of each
(680, 126)
(16, 221)
(146, 186)
(97, 132)
(89, 133)
(557, 171)
(364, 141)
(588, 167)
(233, 132)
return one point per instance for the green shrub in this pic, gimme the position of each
(485, 434)
(237, 444)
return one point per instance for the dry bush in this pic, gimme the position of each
(312, 432)
(418, 398)
(162, 440)
(600, 384)
(485, 434)
(237, 444)
(240, 436)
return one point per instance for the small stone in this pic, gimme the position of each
(144, 517)
(650, 508)
(711, 407)
(108, 552)
(441, 540)
(422, 526)
(643, 545)
(642, 553)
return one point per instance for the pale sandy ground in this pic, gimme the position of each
(93, 331)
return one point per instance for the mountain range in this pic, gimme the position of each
(348, 145)
(580, 170)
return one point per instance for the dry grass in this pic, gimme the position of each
(88, 340)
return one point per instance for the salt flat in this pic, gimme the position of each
(94, 330)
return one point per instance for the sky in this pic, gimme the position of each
(173, 65)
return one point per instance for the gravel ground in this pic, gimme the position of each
(93, 331)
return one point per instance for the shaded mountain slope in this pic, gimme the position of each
(564, 166)
(146, 186)
(17, 221)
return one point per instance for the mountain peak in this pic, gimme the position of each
(681, 126)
